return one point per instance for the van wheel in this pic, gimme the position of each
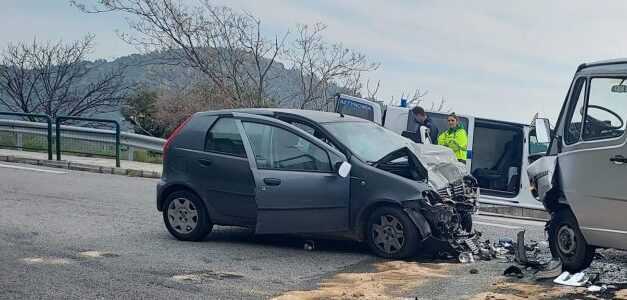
(567, 243)
(185, 216)
(391, 234)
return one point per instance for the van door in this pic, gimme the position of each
(498, 157)
(298, 190)
(593, 165)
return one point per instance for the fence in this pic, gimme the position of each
(60, 120)
(37, 136)
(15, 139)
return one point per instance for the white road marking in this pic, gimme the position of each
(497, 225)
(512, 221)
(46, 260)
(31, 169)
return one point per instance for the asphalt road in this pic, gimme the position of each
(68, 234)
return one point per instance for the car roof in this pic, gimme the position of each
(616, 66)
(313, 115)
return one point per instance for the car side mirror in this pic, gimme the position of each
(344, 169)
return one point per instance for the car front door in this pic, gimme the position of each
(592, 160)
(297, 188)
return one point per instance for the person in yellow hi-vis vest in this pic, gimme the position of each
(455, 138)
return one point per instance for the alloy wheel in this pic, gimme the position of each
(388, 235)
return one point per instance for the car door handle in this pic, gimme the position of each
(618, 160)
(205, 162)
(272, 181)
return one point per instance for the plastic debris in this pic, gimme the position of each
(309, 245)
(466, 257)
(596, 288)
(577, 279)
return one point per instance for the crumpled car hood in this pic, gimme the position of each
(441, 164)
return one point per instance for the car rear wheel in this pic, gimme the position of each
(185, 216)
(392, 234)
(567, 243)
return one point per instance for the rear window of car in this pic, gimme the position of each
(224, 138)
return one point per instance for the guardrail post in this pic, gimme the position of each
(58, 136)
(60, 120)
(117, 144)
(41, 116)
(19, 141)
(131, 153)
(49, 121)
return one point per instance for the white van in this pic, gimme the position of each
(498, 151)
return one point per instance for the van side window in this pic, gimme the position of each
(607, 109)
(224, 138)
(572, 132)
(278, 149)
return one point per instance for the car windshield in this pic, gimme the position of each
(368, 141)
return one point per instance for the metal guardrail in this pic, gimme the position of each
(59, 121)
(131, 140)
(39, 116)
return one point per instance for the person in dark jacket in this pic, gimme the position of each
(423, 119)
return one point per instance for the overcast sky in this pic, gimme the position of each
(497, 59)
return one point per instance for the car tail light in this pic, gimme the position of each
(174, 133)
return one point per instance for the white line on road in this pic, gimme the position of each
(31, 169)
(508, 223)
(497, 225)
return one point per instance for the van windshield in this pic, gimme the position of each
(368, 141)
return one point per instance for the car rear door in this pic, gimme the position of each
(592, 161)
(221, 173)
(297, 188)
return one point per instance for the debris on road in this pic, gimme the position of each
(514, 271)
(474, 271)
(466, 257)
(309, 245)
(550, 270)
(596, 288)
(577, 279)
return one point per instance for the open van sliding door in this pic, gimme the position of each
(499, 159)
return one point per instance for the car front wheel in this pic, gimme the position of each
(567, 243)
(185, 216)
(392, 234)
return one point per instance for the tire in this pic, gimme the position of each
(387, 225)
(567, 243)
(185, 216)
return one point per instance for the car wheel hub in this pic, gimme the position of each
(388, 235)
(182, 215)
(566, 240)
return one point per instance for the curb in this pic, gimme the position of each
(63, 164)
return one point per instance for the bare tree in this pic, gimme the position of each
(321, 66)
(56, 79)
(417, 98)
(225, 45)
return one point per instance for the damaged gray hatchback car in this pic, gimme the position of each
(282, 171)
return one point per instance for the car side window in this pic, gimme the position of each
(224, 138)
(572, 130)
(607, 109)
(278, 149)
